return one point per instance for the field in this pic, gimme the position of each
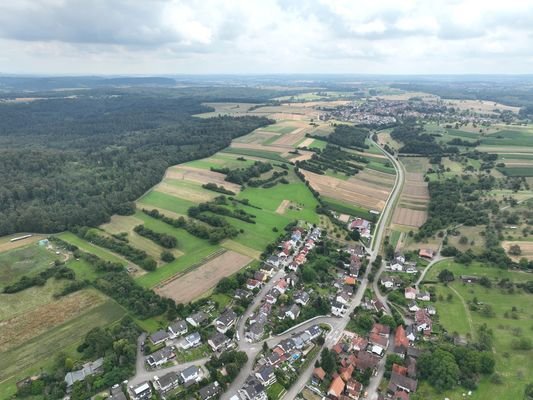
(27, 260)
(525, 247)
(90, 248)
(412, 207)
(353, 191)
(479, 106)
(6, 243)
(193, 284)
(515, 367)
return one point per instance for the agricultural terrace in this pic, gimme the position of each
(508, 316)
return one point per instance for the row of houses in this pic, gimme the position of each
(346, 282)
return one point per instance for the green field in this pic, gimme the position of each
(166, 201)
(28, 260)
(39, 352)
(516, 171)
(278, 128)
(269, 155)
(515, 366)
(351, 209)
(219, 160)
(318, 144)
(462, 134)
(90, 248)
(394, 237)
(509, 138)
(380, 167)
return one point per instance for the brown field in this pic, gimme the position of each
(307, 142)
(408, 217)
(193, 284)
(283, 206)
(200, 175)
(526, 247)
(27, 325)
(415, 189)
(352, 191)
(375, 177)
(6, 244)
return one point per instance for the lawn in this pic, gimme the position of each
(351, 209)
(90, 248)
(193, 354)
(318, 144)
(28, 260)
(394, 237)
(39, 352)
(165, 201)
(276, 391)
(515, 367)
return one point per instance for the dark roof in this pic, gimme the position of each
(401, 381)
(158, 336)
(218, 338)
(265, 372)
(413, 352)
(227, 317)
(168, 379)
(314, 330)
(199, 317)
(161, 354)
(253, 387)
(178, 326)
(209, 391)
(190, 371)
(117, 394)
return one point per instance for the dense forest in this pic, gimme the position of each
(76, 160)
(346, 136)
(414, 140)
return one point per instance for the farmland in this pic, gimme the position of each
(514, 366)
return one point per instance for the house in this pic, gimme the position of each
(380, 329)
(411, 269)
(252, 284)
(469, 279)
(192, 340)
(241, 294)
(350, 280)
(410, 293)
(293, 266)
(292, 279)
(301, 298)
(354, 389)
(177, 328)
(167, 382)
(293, 312)
(343, 297)
(287, 345)
(423, 322)
(272, 296)
(353, 271)
(413, 307)
(314, 331)
(158, 337)
(160, 357)
(191, 374)
(273, 260)
(378, 340)
(318, 375)
(88, 369)
(197, 319)
(377, 305)
(336, 388)
(366, 360)
(273, 359)
(260, 276)
(266, 375)
(431, 310)
(209, 391)
(253, 390)
(390, 282)
(401, 342)
(401, 383)
(298, 342)
(426, 253)
(256, 331)
(142, 391)
(226, 320)
(337, 309)
(396, 267)
(413, 352)
(281, 285)
(296, 235)
(423, 296)
(218, 341)
(362, 225)
(268, 270)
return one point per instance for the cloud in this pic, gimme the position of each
(262, 36)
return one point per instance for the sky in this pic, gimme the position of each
(155, 37)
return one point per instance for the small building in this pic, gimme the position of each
(142, 391)
(88, 369)
(301, 298)
(226, 320)
(177, 328)
(337, 309)
(218, 341)
(210, 391)
(410, 293)
(159, 337)
(241, 294)
(167, 382)
(197, 319)
(401, 383)
(426, 253)
(160, 357)
(336, 388)
(266, 375)
(423, 296)
(293, 312)
(191, 374)
(192, 340)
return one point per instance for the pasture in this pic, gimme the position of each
(28, 260)
(515, 366)
(192, 285)
(90, 248)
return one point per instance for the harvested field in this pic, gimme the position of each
(416, 189)
(283, 206)
(303, 156)
(6, 244)
(480, 106)
(25, 326)
(414, 176)
(197, 195)
(192, 285)
(200, 175)
(352, 191)
(374, 177)
(240, 248)
(293, 137)
(408, 217)
(525, 247)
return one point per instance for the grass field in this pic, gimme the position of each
(28, 260)
(516, 367)
(90, 248)
(509, 138)
(348, 209)
(166, 201)
(39, 351)
(318, 144)
(269, 155)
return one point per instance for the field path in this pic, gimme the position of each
(467, 311)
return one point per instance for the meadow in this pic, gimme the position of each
(28, 260)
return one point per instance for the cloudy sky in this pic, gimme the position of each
(266, 36)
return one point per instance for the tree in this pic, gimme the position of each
(167, 256)
(439, 368)
(528, 392)
(327, 361)
(515, 250)
(446, 276)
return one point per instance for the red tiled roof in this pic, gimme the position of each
(319, 373)
(337, 387)
(399, 369)
(400, 338)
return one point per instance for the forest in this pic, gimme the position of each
(76, 160)
(346, 136)
(414, 140)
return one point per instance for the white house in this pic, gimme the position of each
(337, 309)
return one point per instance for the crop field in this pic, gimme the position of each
(40, 350)
(194, 175)
(409, 217)
(27, 260)
(193, 284)
(515, 366)
(353, 191)
(509, 138)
